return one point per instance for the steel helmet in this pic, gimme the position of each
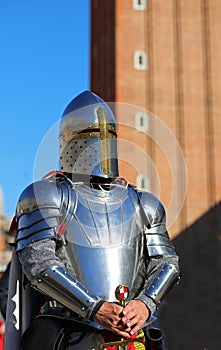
(88, 138)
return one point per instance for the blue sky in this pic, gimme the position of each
(44, 63)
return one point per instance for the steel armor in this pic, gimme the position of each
(88, 139)
(77, 239)
(104, 239)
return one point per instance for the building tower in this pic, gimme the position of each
(162, 58)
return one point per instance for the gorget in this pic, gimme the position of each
(104, 240)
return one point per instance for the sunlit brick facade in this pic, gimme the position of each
(180, 84)
(165, 57)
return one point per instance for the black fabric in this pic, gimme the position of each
(45, 333)
(154, 338)
(4, 290)
(72, 325)
(51, 332)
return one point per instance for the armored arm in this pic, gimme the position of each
(162, 268)
(41, 210)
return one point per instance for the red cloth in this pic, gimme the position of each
(2, 342)
(1, 337)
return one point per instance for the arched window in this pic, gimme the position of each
(140, 60)
(139, 5)
(142, 121)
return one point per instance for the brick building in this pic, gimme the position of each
(161, 62)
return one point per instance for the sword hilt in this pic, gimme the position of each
(122, 293)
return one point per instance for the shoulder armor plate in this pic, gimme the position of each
(40, 210)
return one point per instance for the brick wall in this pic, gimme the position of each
(181, 86)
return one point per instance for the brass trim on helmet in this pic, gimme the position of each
(93, 131)
(104, 140)
(102, 130)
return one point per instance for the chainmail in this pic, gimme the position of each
(38, 257)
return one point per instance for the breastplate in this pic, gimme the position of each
(104, 240)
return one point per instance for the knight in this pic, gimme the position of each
(81, 232)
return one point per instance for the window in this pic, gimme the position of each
(140, 60)
(143, 182)
(139, 5)
(142, 121)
